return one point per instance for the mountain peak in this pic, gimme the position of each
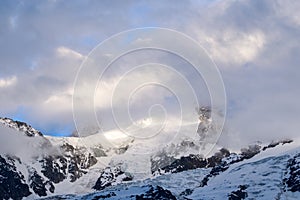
(20, 126)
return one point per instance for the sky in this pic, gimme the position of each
(254, 44)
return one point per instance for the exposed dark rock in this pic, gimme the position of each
(217, 158)
(111, 176)
(239, 194)
(218, 163)
(205, 125)
(190, 162)
(156, 193)
(227, 160)
(286, 141)
(104, 196)
(66, 147)
(169, 154)
(54, 171)
(77, 160)
(292, 176)
(72, 162)
(160, 161)
(80, 156)
(99, 152)
(221, 167)
(214, 171)
(38, 184)
(186, 192)
(121, 150)
(276, 143)
(251, 151)
(186, 163)
(20, 126)
(12, 183)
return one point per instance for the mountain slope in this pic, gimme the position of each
(30, 162)
(270, 174)
(34, 166)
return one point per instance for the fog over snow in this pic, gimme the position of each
(254, 43)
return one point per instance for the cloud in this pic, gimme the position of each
(253, 42)
(235, 48)
(67, 52)
(24, 147)
(60, 101)
(6, 82)
(288, 10)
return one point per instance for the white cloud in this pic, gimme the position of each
(233, 47)
(60, 101)
(120, 87)
(67, 52)
(6, 82)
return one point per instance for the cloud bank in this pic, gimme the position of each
(254, 44)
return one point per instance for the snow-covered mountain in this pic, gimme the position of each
(99, 166)
(269, 172)
(20, 126)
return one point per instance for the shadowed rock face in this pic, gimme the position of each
(156, 193)
(167, 156)
(111, 176)
(292, 176)
(70, 165)
(19, 179)
(20, 126)
(65, 162)
(222, 159)
(39, 185)
(205, 121)
(191, 162)
(12, 183)
(186, 163)
(54, 168)
(238, 194)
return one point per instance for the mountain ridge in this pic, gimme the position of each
(69, 165)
